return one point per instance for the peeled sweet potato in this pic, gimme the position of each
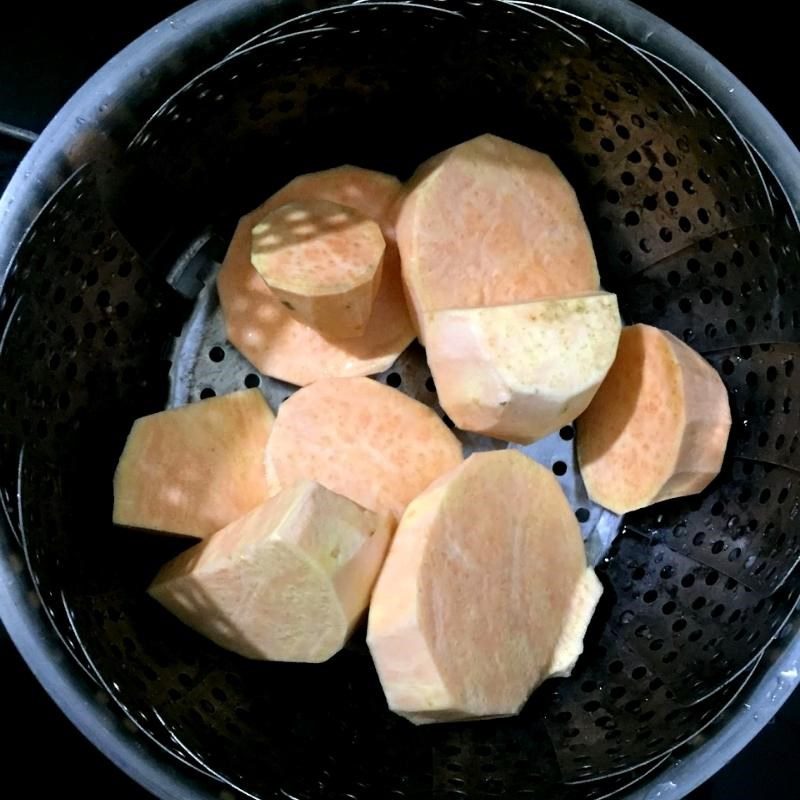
(361, 439)
(520, 372)
(323, 261)
(194, 469)
(266, 333)
(490, 222)
(286, 582)
(485, 592)
(658, 426)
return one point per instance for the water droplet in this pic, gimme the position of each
(663, 789)
(626, 617)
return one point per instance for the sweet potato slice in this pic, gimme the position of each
(490, 222)
(485, 592)
(194, 469)
(286, 582)
(361, 439)
(520, 372)
(266, 333)
(323, 261)
(658, 426)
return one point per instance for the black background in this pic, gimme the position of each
(47, 51)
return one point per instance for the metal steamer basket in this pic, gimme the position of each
(110, 235)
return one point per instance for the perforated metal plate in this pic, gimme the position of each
(610, 716)
(747, 535)
(720, 292)
(689, 633)
(765, 402)
(100, 327)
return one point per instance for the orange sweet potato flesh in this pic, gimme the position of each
(323, 261)
(192, 470)
(485, 592)
(264, 331)
(490, 222)
(657, 428)
(361, 439)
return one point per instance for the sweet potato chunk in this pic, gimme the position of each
(323, 261)
(361, 439)
(490, 222)
(658, 426)
(484, 594)
(194, 469)
(265, 332)
(287, 582)
(523, 371)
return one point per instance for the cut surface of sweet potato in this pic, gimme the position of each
(286, 582)
(362, 439)
(266, 333)
(520, 372)
(490, 222)
(323, 261)
(194, 469)
(658, 426)
(485, 592)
